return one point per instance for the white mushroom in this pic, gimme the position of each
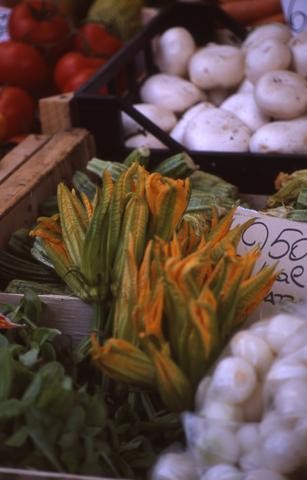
(244, 106)
(163, 118)
(179, 129)
(298, 45)
(280, 31)
(217, 95)
(281, 94)
(216, 130)
(281, 137)
(271, 54)
(217, 66)
(246, 86)
(171, 92)
(145, 139)
(174, 49)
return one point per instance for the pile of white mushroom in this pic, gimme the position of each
(251, 414)
(231, 98)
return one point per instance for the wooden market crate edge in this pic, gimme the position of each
(70, 315)
(20, 154)
(36, 178)
(18, 474)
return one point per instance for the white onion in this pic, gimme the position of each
(299, 356)
(273, 421)
(300, 433)
(295, 341)
(280, 328)
(255, 350)
(252, 408)
(286, 369)
(251, 460)
(249, 437)
(260, 328)
(281, 451)
(234, 380)
(222, 472)
(214, 445)
(175, 466)
(201, 393)
(222, 411)
(263, 474)
(291, 398)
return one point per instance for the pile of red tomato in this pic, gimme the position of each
(47, 54)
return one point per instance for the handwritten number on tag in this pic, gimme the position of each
(277, 298)
(283, 245)
(297, 18)
(250, 239)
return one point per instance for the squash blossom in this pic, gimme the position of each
(182, 303)
(169, 282)
(87, 242)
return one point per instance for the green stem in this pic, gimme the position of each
(97, 327)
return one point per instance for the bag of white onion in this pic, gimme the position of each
(250, 421)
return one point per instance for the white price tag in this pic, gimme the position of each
(281, 241)
(295, 11)
(4, 20)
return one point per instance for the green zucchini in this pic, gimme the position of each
(12, 267)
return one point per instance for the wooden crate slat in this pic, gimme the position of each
(20, 154)
(18, 474)
(54, 113)
(37, 179)
(70, 315)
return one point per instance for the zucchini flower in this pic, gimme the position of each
(182, 304)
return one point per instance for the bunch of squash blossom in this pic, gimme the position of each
(176, 310)
(167, 293)
(87, 241)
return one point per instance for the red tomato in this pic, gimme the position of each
(18, 138)
(38, 22)
(22, 66)
(93, 39)
(71, 63)
(76, 81)
(17, 110)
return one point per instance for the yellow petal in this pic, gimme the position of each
(174, 387)
(72, 225)
(124, 362)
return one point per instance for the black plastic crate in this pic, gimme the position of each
(125, 72)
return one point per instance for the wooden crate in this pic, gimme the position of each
(30, 173)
